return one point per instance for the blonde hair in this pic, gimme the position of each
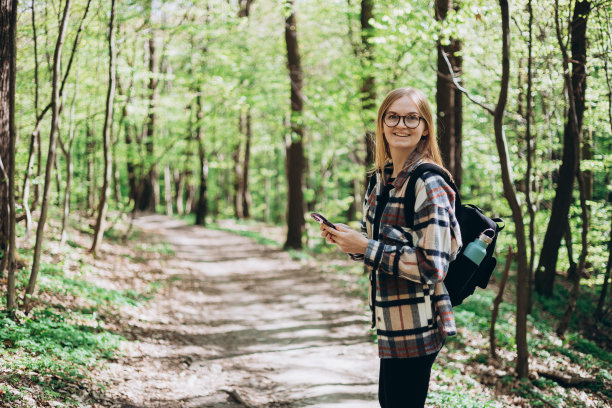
(428, 145)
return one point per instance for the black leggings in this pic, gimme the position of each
(404, 382)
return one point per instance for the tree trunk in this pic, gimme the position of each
(149, 191)
(8, 39)
(238, 184)
(530, 142)
(546, 271)
(246, 195)
(106, 136)
(496, 302)
(604, 288)
(33, 136)
(179, 177)
(449, 99)
(55, 101)
(67, 150)
(201, 204)
(522, 276)
(368, 84)
(90, 148)
(168, 190)
(295, 150)
(7, 125)
(576, 97)
(571, 304)
(116, 175)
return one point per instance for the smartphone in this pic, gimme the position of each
(322, 220)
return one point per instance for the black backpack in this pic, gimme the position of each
(463, 275)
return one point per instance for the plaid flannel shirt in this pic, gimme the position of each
(412, 309)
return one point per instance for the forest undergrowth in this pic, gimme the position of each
(47, 355)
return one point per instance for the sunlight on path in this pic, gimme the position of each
(242, 325)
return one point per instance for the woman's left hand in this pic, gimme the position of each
(348, 240)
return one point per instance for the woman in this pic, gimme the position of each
(412, 312)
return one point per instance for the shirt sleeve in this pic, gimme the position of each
(424, 260)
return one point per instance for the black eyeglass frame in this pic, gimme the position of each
(404, 118)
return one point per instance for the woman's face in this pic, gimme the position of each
(400, 136)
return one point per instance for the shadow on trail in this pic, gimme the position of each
(247, 317)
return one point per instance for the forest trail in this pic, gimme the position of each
(242, 325)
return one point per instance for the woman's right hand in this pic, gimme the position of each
(328, 237)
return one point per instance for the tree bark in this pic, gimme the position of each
(599, 311)
(8, 39)
(294, 143)
(522, 276)
(246, 195)
(55, 101)
(201, 203)
(530, 144)
(149, 191)
(90, 147)
(238, 183)
(546, 271)
(576, 97)
(449, 98)
(168, 190)
(179, 191)
(368, 83)
(106, 136)
(496, 302)
(67, 150)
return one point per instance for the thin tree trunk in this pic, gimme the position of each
(246, 195)
(55, 101)
(530, 141)
(58, 176)
(567, 237)
(201, 203)
(179, 177)
(7, 48)
(116, 175)
(496, 302)
(69, 165)
(571, 304)
(33, 136)
(90, 147)
(576, 85)
(237, 193)
(168, 190)
(8, 39)
(576, 96)
(522, 278)
(604, 288)
(295, 149)
(35, 143)
(150, 190)
(106, 135)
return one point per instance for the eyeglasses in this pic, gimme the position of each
(411, 121)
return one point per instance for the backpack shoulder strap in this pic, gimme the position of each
(371, 184)
(410, 197)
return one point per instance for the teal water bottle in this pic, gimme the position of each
(476, 250)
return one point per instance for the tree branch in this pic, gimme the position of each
(462, 89)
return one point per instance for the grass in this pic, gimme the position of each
(46, 357)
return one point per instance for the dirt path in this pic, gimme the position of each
(243, 325)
